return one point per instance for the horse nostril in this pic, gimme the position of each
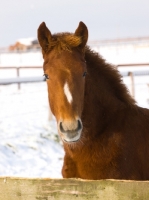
(61, 127)
(70, 127)
(79, 125)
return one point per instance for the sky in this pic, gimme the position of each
(105, 19)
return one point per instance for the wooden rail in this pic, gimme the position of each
(72, 189)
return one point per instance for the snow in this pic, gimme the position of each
(21, 59)
(125, 54)
(28, 145)
(26, 41)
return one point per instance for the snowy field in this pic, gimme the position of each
(29, 143)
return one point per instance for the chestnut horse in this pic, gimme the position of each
(105, 134)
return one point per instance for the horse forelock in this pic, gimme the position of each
(64, 41)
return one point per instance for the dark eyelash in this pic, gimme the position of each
(46, 76)
(85, 73)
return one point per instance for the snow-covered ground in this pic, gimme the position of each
(30, 58)
(28, 139)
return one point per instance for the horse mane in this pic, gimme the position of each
(100, 69)
(64, 41)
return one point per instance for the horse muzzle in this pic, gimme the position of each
(70, 131)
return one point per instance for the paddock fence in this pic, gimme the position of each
(18, 80)
(133, 74)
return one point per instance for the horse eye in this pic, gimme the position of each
(85, 73)
(46, 76)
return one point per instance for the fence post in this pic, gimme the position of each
(18, 75)
(132, 83)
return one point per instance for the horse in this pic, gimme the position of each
(105, 134)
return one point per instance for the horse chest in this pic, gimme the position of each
(94, 165)
(93, 160)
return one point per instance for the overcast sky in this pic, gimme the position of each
(105, 19)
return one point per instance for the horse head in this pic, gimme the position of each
(65, 70)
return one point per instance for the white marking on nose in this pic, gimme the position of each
(67, 92)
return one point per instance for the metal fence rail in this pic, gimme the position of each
(135, 73)
(18, 80)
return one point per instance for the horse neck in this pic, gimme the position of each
(99, 103)
(105, 94)
(100, 94)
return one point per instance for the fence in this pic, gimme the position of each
(134, 73)
(18, 80)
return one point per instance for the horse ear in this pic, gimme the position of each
(82, 31)
(44, 36)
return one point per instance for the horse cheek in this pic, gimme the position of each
(51, 102)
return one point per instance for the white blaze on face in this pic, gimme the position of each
(67, 92)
